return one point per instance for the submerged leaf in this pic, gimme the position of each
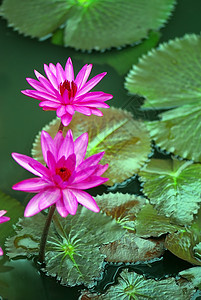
(72, 252)
(125, 141)
(173, 187)
(88, 24)
(150, 223)
(170, 77)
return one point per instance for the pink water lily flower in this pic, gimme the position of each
(66, 174)
(2, 220)
(64, 94)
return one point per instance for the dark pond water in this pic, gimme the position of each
(21, 119)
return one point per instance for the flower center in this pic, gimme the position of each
(64, 173)
(70, 86)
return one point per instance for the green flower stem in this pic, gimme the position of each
(43, 241)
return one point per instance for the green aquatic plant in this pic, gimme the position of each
(94, 24)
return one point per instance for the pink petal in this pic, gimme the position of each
(50, 197)
(32, 185)
(66, 119)
(61, 208)
(26, 161)
(96, 112)
(86, 200)
(83, 75)
(93, 104)
(69, 72)
(80, 147)
(58, 140)
(47, 144)
(40, 95)
(61, 110)
(90, 161)
(90, 84)
(32, 207)
(49, 104)
(52, 78)
(94, 96)
(1, 251)
(36, 84)
(67, 148)
(100, 169)
(53, 69)
(70, 162)
(69, 109)
(83, 174)
(83, 110)
(89, 183)
(4, 219)
(2, 212)
(51, 163)
(47, 85)
(70, 201)
(60, 73)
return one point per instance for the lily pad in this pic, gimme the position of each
(126, 142)
(72, 252)
(134, 286)
(131, 248)
(88, 24)
(14, 211)
(169, 77)
(150, 223)
(173, 187)
(122, 207)
(193, 275)
(186, 243)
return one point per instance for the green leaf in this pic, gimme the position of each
(186, 243)
(14, 211)
(122, 207)
(130, 248)
(126, 142)
(173, 187)
(170, 77)
(150, 223)
(193, 275)
(89, 24)
(134, 286)
(72, 251)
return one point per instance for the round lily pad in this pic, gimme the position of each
(169, 78)
(88, 24)
(126, 142)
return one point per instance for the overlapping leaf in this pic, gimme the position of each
(122, 207)
(72, 252)
(173, 187)
(126, 142)
(134, 286)
(131, 248)
(170, 77)
(88, 24)
(150, 223)
(193, 275)
(186, 243)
